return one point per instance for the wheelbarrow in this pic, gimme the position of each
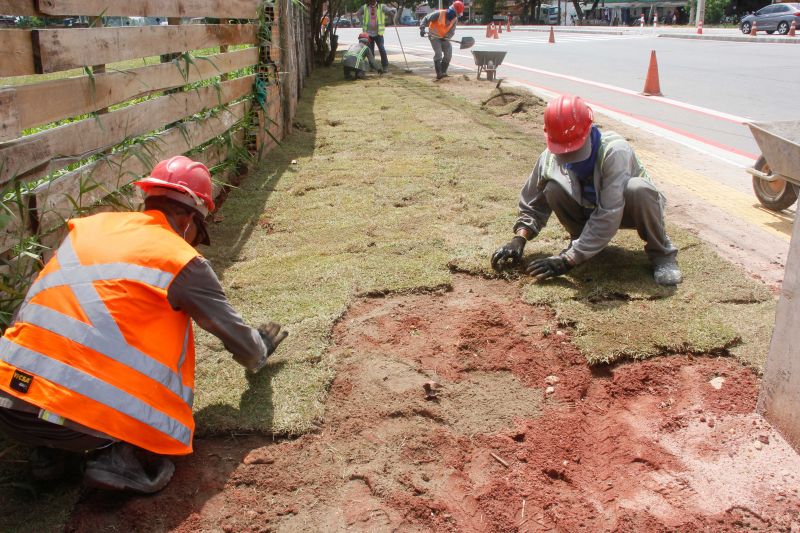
(776, 173)
(487, 62)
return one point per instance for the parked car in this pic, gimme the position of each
(408, 21)
(772, 18)
(343, 22)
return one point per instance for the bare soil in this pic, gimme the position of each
(440, 419)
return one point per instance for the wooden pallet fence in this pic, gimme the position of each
(41, 103)
(34, 156)
(56, 200)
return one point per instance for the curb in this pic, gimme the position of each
(636, 31)
(731, 38)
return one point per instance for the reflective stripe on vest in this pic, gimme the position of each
(440, 26)
(96, 389)
(358, 55)
(103, 335)
(378, 16)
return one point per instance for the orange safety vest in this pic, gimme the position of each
(440, 26)
(96, 340)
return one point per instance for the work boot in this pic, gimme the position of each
(445, 64)
(438, 66)
(122, 467)
(47, 464)
(385, 68)
(667, 273)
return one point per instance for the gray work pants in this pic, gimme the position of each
(644, 212)
(442, 50)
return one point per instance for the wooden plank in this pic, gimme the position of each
(18, 7)
(54, 200)
(238, 9)
(30, 155)
(17, 50)
(9, 117)
(45, 102)
(63, 49)
(13, 232)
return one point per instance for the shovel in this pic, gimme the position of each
(465, 42)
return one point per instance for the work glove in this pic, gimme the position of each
(509, 254)
(549, 267)
(422, 31)
(272, 335)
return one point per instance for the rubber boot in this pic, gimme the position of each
(438, 66)
(667, 273)
(122, 467)
(445, 64)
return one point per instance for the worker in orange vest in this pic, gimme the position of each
(101, 353)
(441, 26)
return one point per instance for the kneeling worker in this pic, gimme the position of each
(101, 354)
(357, 57)
(596, 185)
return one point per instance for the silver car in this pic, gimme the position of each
(772, 18)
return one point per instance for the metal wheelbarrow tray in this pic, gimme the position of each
(776, 174)
(488, 61)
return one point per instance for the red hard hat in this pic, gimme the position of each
(364, 36)
(567, 123)
(183, 180)
(458, 5)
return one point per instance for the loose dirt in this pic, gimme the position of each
(667, 443)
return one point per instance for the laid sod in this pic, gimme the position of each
(387, 185)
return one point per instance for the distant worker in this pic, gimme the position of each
(441, 26)
(101, 354)
(373, 23)
(357, 57)
(595, 184)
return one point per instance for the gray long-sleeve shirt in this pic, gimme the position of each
(616, 164)
(196, 291)
(433, 16)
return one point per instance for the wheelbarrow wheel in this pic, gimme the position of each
(775, 195)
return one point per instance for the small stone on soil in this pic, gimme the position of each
(717, 382)
(764, 439)
(711, 423)
(757, 445)
(549, 390)
(551, 380)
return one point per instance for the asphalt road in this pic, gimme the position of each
(709, 87)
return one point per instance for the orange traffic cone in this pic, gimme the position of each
(792, 29)
(495, 32)
(508, 24)
(488, 31)
(700, 27)
(552, 38)
(651, 85)
(753, 29)
(499, 28)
